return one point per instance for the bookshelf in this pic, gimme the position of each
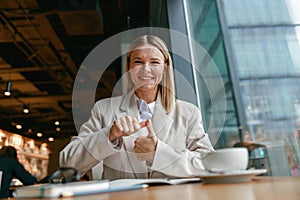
(34, 155)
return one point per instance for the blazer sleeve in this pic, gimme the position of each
(20, 173)
(83, 152)
(188, 162)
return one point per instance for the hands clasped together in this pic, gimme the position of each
(144, 147)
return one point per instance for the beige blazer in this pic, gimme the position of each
(182, 142)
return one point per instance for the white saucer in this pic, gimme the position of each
(231, 177)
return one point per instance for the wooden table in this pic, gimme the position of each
(264, 188)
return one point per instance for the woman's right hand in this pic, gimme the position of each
(123, 127)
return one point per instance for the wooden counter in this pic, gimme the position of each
(264, 188)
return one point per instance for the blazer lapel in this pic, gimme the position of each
(161, 121)
(128, 106)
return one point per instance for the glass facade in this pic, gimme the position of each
(255, 45)
(264, 44)
(216, 99)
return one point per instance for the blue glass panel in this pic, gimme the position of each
(261, 12)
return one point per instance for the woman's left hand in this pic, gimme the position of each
(145, 147)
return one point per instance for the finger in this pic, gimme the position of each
(143, 124)
(138, 141)
(123, 125)
(149, 128)
(123, 122)
(137, 149)
(145, 144)
(114, 132)
(137, 152)
(118, 125)
(129, 122)
(135, 124)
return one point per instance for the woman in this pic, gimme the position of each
(166, 140)
(10, 168)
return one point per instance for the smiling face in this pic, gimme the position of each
(146, 67)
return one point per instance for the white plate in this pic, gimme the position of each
(231, 177)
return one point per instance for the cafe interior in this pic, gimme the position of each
(43, 44)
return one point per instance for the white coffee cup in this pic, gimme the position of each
(226, 160)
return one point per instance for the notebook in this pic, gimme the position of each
(151, 181)
(92, 187)
(61, 189)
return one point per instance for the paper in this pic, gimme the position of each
(152, 181)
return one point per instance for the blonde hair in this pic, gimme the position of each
(166, 87)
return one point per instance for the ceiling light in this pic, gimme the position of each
(50, 139)
(25, 109)
(39, 134)
(19, 126)
(7, 89)
(56, 122)
(58, 129)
